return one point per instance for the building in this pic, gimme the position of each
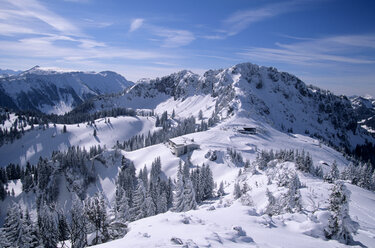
(248, 130)
(182, 145)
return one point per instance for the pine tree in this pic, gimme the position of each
(97, 216)
(78, 222)
(13, 225)
(333, 174)
(138, 209)
(64, 129)
(94, 133)
(162, 204)
(200, 115)
(63, 227)
(178, 197)
(3, 239)
(189, 196)
(237, 191)
(150, 208)
(169, 193)
(121, 208)
(272, 206)
(48, 226)
(208, 182)
(292, 199)
(29, 238)
(340, 226)
(221, 191)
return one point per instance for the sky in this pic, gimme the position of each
(327, 43)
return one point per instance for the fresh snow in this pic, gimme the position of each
(39, 142)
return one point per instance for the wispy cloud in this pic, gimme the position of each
(334, 49)
(241, 20)
(173, 38)
(136, 24)
(42, 34)
(33, 9)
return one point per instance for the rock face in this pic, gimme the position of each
(56, 91)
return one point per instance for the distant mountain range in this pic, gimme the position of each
(56, 91)
(7, 72)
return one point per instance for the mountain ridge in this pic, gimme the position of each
(56, 91)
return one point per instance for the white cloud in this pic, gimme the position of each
(334, 49)
(136, 24)
(241, 20)
(33, 9)
(174, 38)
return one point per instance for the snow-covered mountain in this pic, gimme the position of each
(50, 90)
(247, 90)
(365, 111)
(8, 72)
(276, 182)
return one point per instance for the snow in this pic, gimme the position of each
(39, 142)
(53, 90)
(221, 221)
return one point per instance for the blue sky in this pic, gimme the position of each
(328, 43)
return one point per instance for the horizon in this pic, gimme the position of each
(326, 43)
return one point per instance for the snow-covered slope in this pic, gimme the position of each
(286, 113)
(56, 91)
(42, 142)
(251, 91)
(365, 110)
(226, 222)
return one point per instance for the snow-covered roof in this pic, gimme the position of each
(182, 141)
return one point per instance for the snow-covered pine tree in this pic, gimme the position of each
(149, 206)
(292, 199)
(169, 193)
(13, 225)
(221, 191)
(144, 175)
(200, 115)
(138, 208)
(237, 191)
(78, 222)
(189, 196)
(48, 226)
(95, 210)
(272, 206)
(178, 197)
(162, 204)
(340, 226)
(208, 182)
(3, 239)
(333, 174)
(29, 238)
(121, 206)
(63, 227)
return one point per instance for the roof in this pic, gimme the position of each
(179, 141)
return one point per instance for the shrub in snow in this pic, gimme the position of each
(211, 208)
(239, 230)
(211, 155)
(340, 226)
(176, 241)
